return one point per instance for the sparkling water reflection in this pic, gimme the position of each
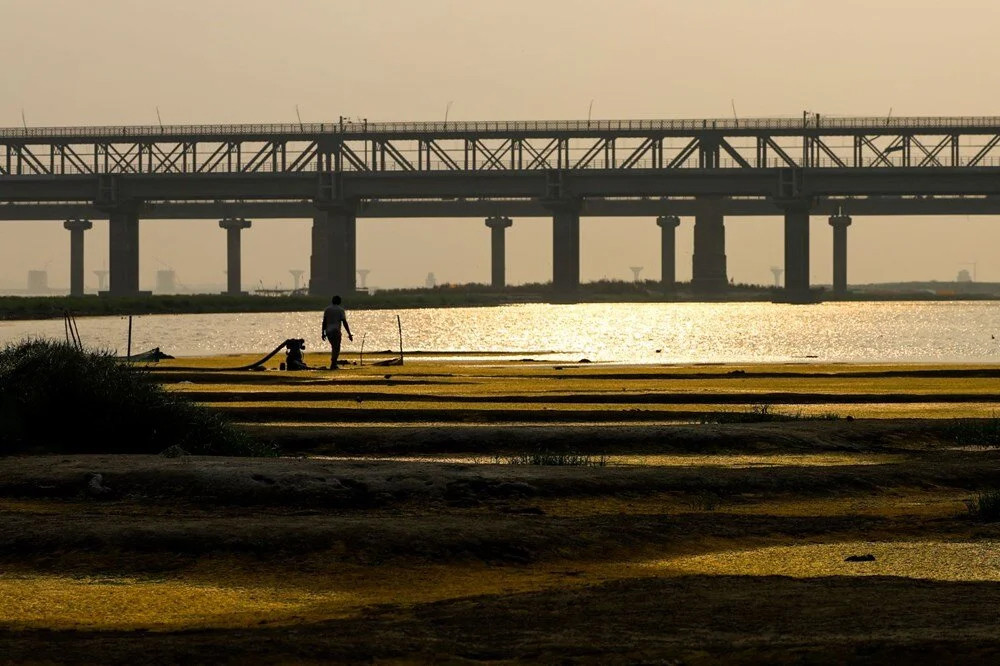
(605, 332)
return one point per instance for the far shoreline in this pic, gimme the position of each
(16, 307)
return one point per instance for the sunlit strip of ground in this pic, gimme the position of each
(349, 382)
(224, 593)
(423, 412)
(215, 595)
(736, 461)
(897, 503)
(929, 560)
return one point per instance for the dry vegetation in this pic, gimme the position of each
(516, 510)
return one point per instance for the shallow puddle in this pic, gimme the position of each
(930, 560)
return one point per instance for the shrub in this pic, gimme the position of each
(56, 398)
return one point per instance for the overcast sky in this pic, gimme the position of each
(115, 62)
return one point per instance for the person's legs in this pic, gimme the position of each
(334, 349)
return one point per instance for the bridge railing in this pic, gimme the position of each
(458, 128)
(69, 168)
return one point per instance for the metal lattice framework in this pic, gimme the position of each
(362, 147)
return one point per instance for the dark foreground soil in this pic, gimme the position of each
(469, 561)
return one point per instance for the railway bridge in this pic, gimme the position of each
(335, 173)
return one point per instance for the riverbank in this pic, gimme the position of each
(510, 510)
(469, 295)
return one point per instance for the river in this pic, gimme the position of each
(854, 332)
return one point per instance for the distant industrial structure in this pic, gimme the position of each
(297, 274)
(776, 271)
(102, 279)
(38, 282)
(166, 281)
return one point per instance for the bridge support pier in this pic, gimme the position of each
(76, 229)
(840, 222)
(565, 246)
(796, 248)
(333, 264)
(668, 250)
(123, 252)
(708, 263)
(234, 258)
(498, 250)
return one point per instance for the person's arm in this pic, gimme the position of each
(323, 334)
(348, 329)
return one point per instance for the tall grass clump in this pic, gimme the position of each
(985, 505)
(763, 413)
(974, 432)
(555, 459)
(56, 398)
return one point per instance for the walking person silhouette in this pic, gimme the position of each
(334, 316)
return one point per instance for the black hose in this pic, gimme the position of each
(251, 366)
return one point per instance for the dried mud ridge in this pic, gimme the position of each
(159, 518)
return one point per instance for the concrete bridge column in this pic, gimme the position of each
(123, 252)
(76, 229)
(498, 249)
(565, 247)
(234, 259)
(319, 271)
(668, 250)
(333, 264)
(796, 247)
(708, 263)
(840, 222)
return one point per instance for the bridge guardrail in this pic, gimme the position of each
(70, 168)
(458, 128)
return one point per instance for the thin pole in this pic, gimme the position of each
(399, 324)
(129, 352)
(361, 362)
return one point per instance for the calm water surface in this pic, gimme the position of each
(606, 332)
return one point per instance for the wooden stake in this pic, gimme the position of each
(399, 324)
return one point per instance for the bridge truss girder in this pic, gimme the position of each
(482, 208)
(328, 187)
(484, 147)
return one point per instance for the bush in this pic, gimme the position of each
(55, 398)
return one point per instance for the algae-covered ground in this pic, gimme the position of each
(513, 510)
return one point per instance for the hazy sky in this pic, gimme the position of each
(114, 62)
